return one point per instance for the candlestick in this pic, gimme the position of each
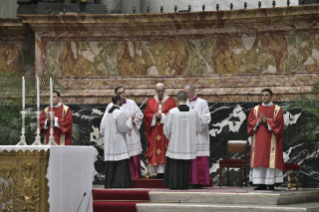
(38, 94)
(23, 94)
(51, 90)
(51, 139)
(38, 137)
(22, 137)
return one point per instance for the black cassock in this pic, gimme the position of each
(117, 173)
(177, 171)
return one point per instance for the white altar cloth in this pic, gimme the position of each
(71, 174)
(24, 148)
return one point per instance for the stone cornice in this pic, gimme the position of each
(209, 24)
(12, 29)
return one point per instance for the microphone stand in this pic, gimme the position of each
(87, 208)
(81, 201)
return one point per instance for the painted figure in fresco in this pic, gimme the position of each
(131, 110)
(116, 126)
(265, 125)
(155, 113)
(62, 119)
(180, 127)
(199, 167)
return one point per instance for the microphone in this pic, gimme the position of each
(87, 208)
(81, 201)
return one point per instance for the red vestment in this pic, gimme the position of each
(266, 145)
(156, 141)
(62, 135)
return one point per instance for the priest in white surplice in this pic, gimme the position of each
(116, 126)
(130, 109)
(180, 127)
(199, 169)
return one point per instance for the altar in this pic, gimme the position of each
(46, 178)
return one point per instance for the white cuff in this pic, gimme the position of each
(56, 124)
(256, 126)
(45, 126)
(163, 118)
(269, 128)
(153, 121)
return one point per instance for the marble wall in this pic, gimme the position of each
(190, 57)
(229, 122)
(17, 53)
(230, 56)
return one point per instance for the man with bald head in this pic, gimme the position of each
(154, 117)
(199, 168)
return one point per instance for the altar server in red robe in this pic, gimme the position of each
(62, 122)
(265, 125)
(154, 117)
(199, 167)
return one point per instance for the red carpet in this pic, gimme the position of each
(126, 200)
(124, 205)
(147, 183)
(154, 183)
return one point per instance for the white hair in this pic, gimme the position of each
(159, 84)
(191, 87)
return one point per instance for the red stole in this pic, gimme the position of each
(62, 135)
(266, 146)
(157, 143)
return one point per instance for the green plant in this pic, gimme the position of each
(309, 105)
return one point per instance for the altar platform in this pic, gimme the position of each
(207, 199)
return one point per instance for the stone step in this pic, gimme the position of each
(237, 196)
(205, 207)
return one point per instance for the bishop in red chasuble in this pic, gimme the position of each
(62, 122)
(154, 117)
(265, 125)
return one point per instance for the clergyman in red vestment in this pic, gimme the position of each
(62, 122)
(154, 117)
(265, 125)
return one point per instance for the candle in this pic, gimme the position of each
(51, 90)
(38, 94)
(23, 94)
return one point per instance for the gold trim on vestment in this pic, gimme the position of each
(272, 157)
(253, 151)
(256, 108)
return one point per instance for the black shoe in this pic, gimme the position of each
(261, 187)
(173, 188)
(271, 187)
(184, 188)
(196, 186)
(159, 176)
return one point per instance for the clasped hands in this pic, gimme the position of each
(47, 116)
(158, 116)
(262, 119)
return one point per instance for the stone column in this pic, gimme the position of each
(8, 8)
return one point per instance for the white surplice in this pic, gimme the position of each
(134, 140)
(181, 129)
(201, 106)
(265, 175)
(116, 126)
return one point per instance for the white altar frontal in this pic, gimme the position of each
(47, 178)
